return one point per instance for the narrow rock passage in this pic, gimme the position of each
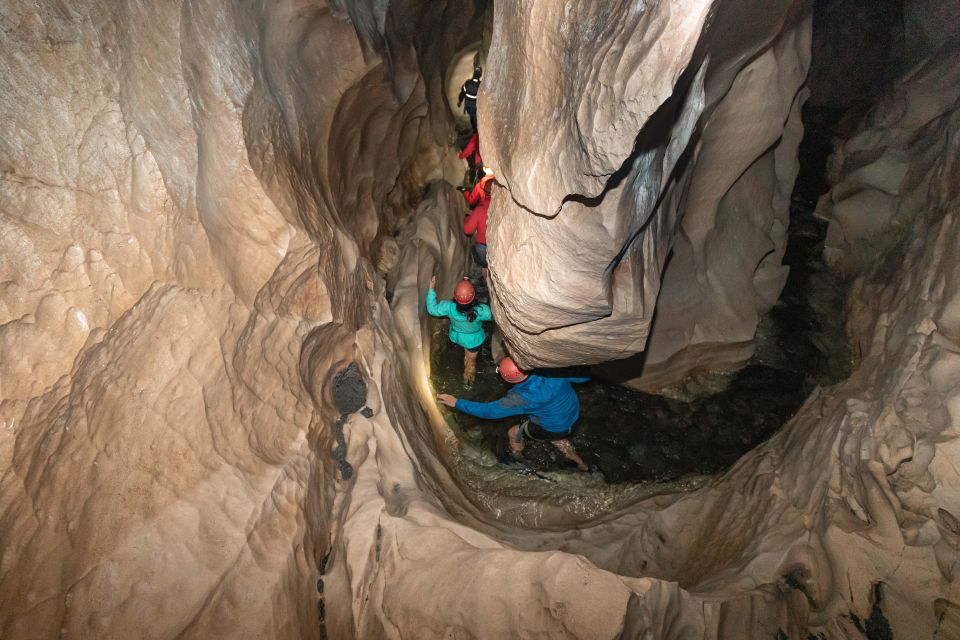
(216, 411)
(703, 426)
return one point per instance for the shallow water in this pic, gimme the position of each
(704, 426)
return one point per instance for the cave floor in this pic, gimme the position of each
(713, 419)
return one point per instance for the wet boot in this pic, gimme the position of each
(469, 366)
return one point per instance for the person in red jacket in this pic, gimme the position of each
(471, 153)
(476, 221)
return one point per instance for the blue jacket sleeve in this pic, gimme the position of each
(439, 309)
(580, 379)
(509, 405)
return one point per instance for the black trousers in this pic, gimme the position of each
(471, 108)
(475, 169)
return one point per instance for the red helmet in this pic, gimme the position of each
(510, 372)
(464, 292)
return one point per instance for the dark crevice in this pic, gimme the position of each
(655, 134)
(876, 626)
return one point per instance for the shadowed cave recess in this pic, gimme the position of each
(218, 222)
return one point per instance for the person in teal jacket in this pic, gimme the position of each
(466, 322)
(546, 398)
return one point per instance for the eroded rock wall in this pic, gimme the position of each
(849, 512)
(561, 119)
(877, 170)
(193, 197)
(726, 267)
(640, 183)
(842, 76)
(846, 515)
(166, 467)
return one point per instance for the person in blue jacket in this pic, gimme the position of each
(466, 322)
(549, 402)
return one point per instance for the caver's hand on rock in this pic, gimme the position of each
(433, 282)
(446, 399)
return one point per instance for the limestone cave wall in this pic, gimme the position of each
(194, 196)
(642, 152)
(209, 209)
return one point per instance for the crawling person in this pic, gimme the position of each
(466, 322)
(549, 402)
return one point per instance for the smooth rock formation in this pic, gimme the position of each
(205, 208)
(667, 170)
(579, 191)
(193, 198)
(725, 271)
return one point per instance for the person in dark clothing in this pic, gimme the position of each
(549, 402)
(468, 96)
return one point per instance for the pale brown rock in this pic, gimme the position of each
(188, 224)
(194, 204)
(726, 271)
(590, 224)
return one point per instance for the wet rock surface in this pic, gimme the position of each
(703, 427)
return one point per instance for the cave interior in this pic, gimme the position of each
(219, 382)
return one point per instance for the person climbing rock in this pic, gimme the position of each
(468, 96)
(476, 220)
(466, 322)
(548, 401)
(471, 153)
(475, 224)
(480, 193)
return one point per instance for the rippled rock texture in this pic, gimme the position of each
(193, 196)
(644, 151)
(205, 208)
